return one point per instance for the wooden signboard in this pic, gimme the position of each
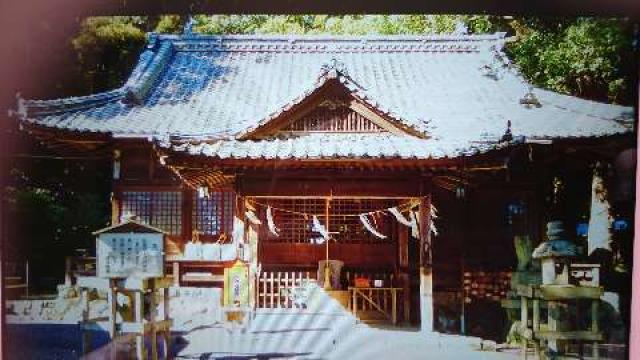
(130, 249)
(236, 285)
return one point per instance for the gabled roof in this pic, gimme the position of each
(458, 89)
(334, 77)
(129, 226)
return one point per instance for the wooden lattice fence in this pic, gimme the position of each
(282, 289)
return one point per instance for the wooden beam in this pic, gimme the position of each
(376, 118)
(354, 187)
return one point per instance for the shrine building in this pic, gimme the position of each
(294, 150)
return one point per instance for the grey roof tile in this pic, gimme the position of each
(222, 86)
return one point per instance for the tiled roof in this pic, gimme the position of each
(331, 146)
(458, 89)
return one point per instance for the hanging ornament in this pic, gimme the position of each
(401, 219)
(253, 218)
(367, 224)
(414, 225)
(203, 192)
(318, 240)
(319, 228)
(238, 230)
(434, 212)
(272, 226)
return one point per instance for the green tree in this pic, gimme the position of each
(53, 210)
(108, 47)
(586, 57)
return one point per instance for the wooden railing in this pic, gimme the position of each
(388, 278)
(368, 302)
(282, 289)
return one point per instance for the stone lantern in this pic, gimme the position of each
(555, 255)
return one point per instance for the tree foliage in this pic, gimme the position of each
(586, 57)
(53, 210)
(107, 47)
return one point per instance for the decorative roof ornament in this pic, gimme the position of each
(529, 100)
(490, 71)
(507, 136)
(461, 28)
(188, 26)
(334, 68)
(498, 66)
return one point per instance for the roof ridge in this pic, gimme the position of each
(151, 63)
(331, 37)
(332, 43)
(150, 66)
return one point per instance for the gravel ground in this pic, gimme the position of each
(328, 332)
(325, 330)
(294, 335)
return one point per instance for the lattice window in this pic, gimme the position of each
(162, 209)
(340, 119)
(213, 215)
(296, 228)
(351, 229)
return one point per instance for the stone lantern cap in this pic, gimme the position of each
(557, 245)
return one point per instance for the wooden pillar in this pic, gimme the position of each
(403, 247)
(115, 207)
(406, 297)
(112, 303)
(166, 341)
(141, 351)
(394, 312)
(86, 332)
(426, 265)
(403, 276)
(153, 319)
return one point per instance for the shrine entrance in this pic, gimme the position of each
(356, 249)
